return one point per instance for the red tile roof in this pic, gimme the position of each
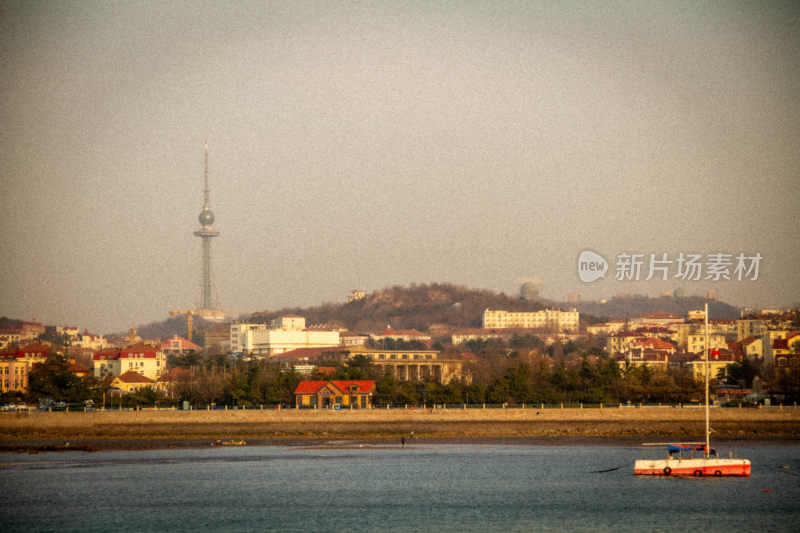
(389, 332)
(176, 374)
(361, 386)
(652, 343)
(105, 355)
(132, 376)
(180, 344)
(308, 353)
(35, 347)
(139, 347)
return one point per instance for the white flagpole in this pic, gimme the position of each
(708, 445)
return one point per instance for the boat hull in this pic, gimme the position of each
(714, 467)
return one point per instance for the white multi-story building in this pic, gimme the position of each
(288, 323)
(284, 334)
(544, 319)
(242, 336)
(696, 343)
(142, 358)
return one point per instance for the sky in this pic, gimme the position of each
(361, 145)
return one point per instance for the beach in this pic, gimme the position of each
(167, 428)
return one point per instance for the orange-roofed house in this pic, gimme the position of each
(327, 394)
(79, 370)
(178, 346)
(787, 351)
(131, 381)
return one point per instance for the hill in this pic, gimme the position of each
(420, 306)
(636, 305)
(414, 307)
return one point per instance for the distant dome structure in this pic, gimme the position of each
(206, 217)
(529, 288)
(679, 293)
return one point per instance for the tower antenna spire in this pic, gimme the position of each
(205, 178)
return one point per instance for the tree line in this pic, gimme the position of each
(520, 370)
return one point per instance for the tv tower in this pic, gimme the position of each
(206, 233)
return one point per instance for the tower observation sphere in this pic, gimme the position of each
(206, 217)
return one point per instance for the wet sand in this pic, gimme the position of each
(101, 430)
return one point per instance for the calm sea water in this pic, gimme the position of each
(437, 488)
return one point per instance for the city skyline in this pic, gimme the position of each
(371, 145)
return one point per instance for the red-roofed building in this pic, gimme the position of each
(619, 342)
(131, 381)
(145, 359)
(406, 335)
(651, 344)
(405, 365)
(328, 394)
(753, 347)
(654, 359)
(787, 351)
(79, 370)
(716, 362)
(35, 352)
(178, 346)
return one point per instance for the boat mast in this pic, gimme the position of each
(708, 444)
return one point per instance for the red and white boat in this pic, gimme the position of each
(685, 464)
(707, 465)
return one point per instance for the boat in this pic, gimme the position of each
(681, 460)
(232, 442)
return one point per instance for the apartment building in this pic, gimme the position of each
(553, 319)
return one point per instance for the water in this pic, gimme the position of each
(437, 488)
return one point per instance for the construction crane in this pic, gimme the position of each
(189, 317)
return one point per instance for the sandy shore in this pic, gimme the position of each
(166, 429)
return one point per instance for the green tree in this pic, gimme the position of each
(389, 390)
(52, 379)
(740, 373)
(281, 388)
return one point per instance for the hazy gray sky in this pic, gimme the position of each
(367, 144)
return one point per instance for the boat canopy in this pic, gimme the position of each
(671, 448)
